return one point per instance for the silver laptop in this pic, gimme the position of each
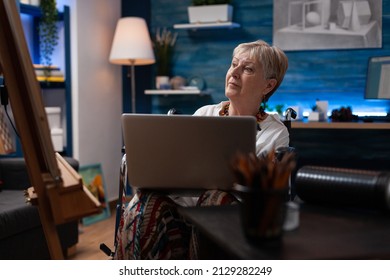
(183, 151)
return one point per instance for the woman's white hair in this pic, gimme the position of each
(273, 60)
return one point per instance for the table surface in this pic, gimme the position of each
(323, 233)
(340, 125)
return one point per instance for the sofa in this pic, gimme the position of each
(21, 232)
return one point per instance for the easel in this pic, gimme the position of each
(57, 189)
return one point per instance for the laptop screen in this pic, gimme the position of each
(185, 152)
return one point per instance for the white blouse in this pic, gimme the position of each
(272, 134)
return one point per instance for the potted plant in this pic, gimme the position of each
(164, 44)
(207, 11)
(48, 33)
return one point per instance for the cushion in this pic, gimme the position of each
(15, 215)
(13, 174)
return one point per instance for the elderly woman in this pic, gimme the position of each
(255, 73)
(151, 227)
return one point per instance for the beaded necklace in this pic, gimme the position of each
(260, 116)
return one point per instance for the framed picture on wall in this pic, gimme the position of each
(93, 179)
(327, 24)
(378, 78)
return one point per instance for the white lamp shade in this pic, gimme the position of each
(132, 44)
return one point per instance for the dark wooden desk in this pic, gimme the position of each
(323, 233)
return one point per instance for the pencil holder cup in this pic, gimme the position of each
(262, 214)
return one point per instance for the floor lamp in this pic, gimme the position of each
(132, 46)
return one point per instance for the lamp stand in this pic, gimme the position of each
(131, 73)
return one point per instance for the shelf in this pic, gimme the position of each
(30, 10)
(174, 92)
(213, 25)
(64, 99)
(339, 125)
(52, 85)
(35, 11)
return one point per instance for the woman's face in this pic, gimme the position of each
(245, 80)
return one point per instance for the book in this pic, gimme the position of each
(44, 67)
(53, 73)
(50, 79)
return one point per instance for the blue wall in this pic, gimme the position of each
(334, 75)
(143, 74)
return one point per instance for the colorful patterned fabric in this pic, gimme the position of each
(151, 228)
(215, 198)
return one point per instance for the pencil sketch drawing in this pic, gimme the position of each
(327, 24)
